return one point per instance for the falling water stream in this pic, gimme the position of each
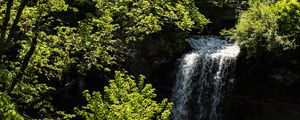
(203, 77)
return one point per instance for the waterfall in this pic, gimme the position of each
(203, 77)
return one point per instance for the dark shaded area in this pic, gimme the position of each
(266, 89)
(156, 58)
(222, 16)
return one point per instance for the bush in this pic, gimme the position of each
(124, 100)
(268, 27)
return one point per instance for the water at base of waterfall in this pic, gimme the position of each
(203, 77)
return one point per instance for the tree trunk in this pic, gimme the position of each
(23, 67)
(5, 23)
(15, 23)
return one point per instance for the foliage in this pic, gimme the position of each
(35, 57)
(133, 20)
(236, 4)
(268, 27)
(41, 50)
(8, 109)
(124, 99)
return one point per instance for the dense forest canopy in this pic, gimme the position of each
(50, 47)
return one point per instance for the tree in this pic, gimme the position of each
(268, 27)
(43, 53)
(124, 99)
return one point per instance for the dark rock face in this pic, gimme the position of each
(156, 58)
(221, 16)
(246, 108)
(267, 90)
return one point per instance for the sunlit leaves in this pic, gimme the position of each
(124, 99)
(269, 27)
(135, 19)
(97, 41)
(8, 109)
(49, 60)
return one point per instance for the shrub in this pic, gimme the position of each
(268, 27)
(123, 100)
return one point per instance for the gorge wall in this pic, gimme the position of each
(265, 90)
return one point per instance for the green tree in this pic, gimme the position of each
(268, 27)
(124, 99)
(39, 47)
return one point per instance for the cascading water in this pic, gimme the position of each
(203, 77)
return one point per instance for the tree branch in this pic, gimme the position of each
(24, 66)
(15, 23)
(5, 22)
(4, 43)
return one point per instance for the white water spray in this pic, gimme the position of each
(202, 79)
